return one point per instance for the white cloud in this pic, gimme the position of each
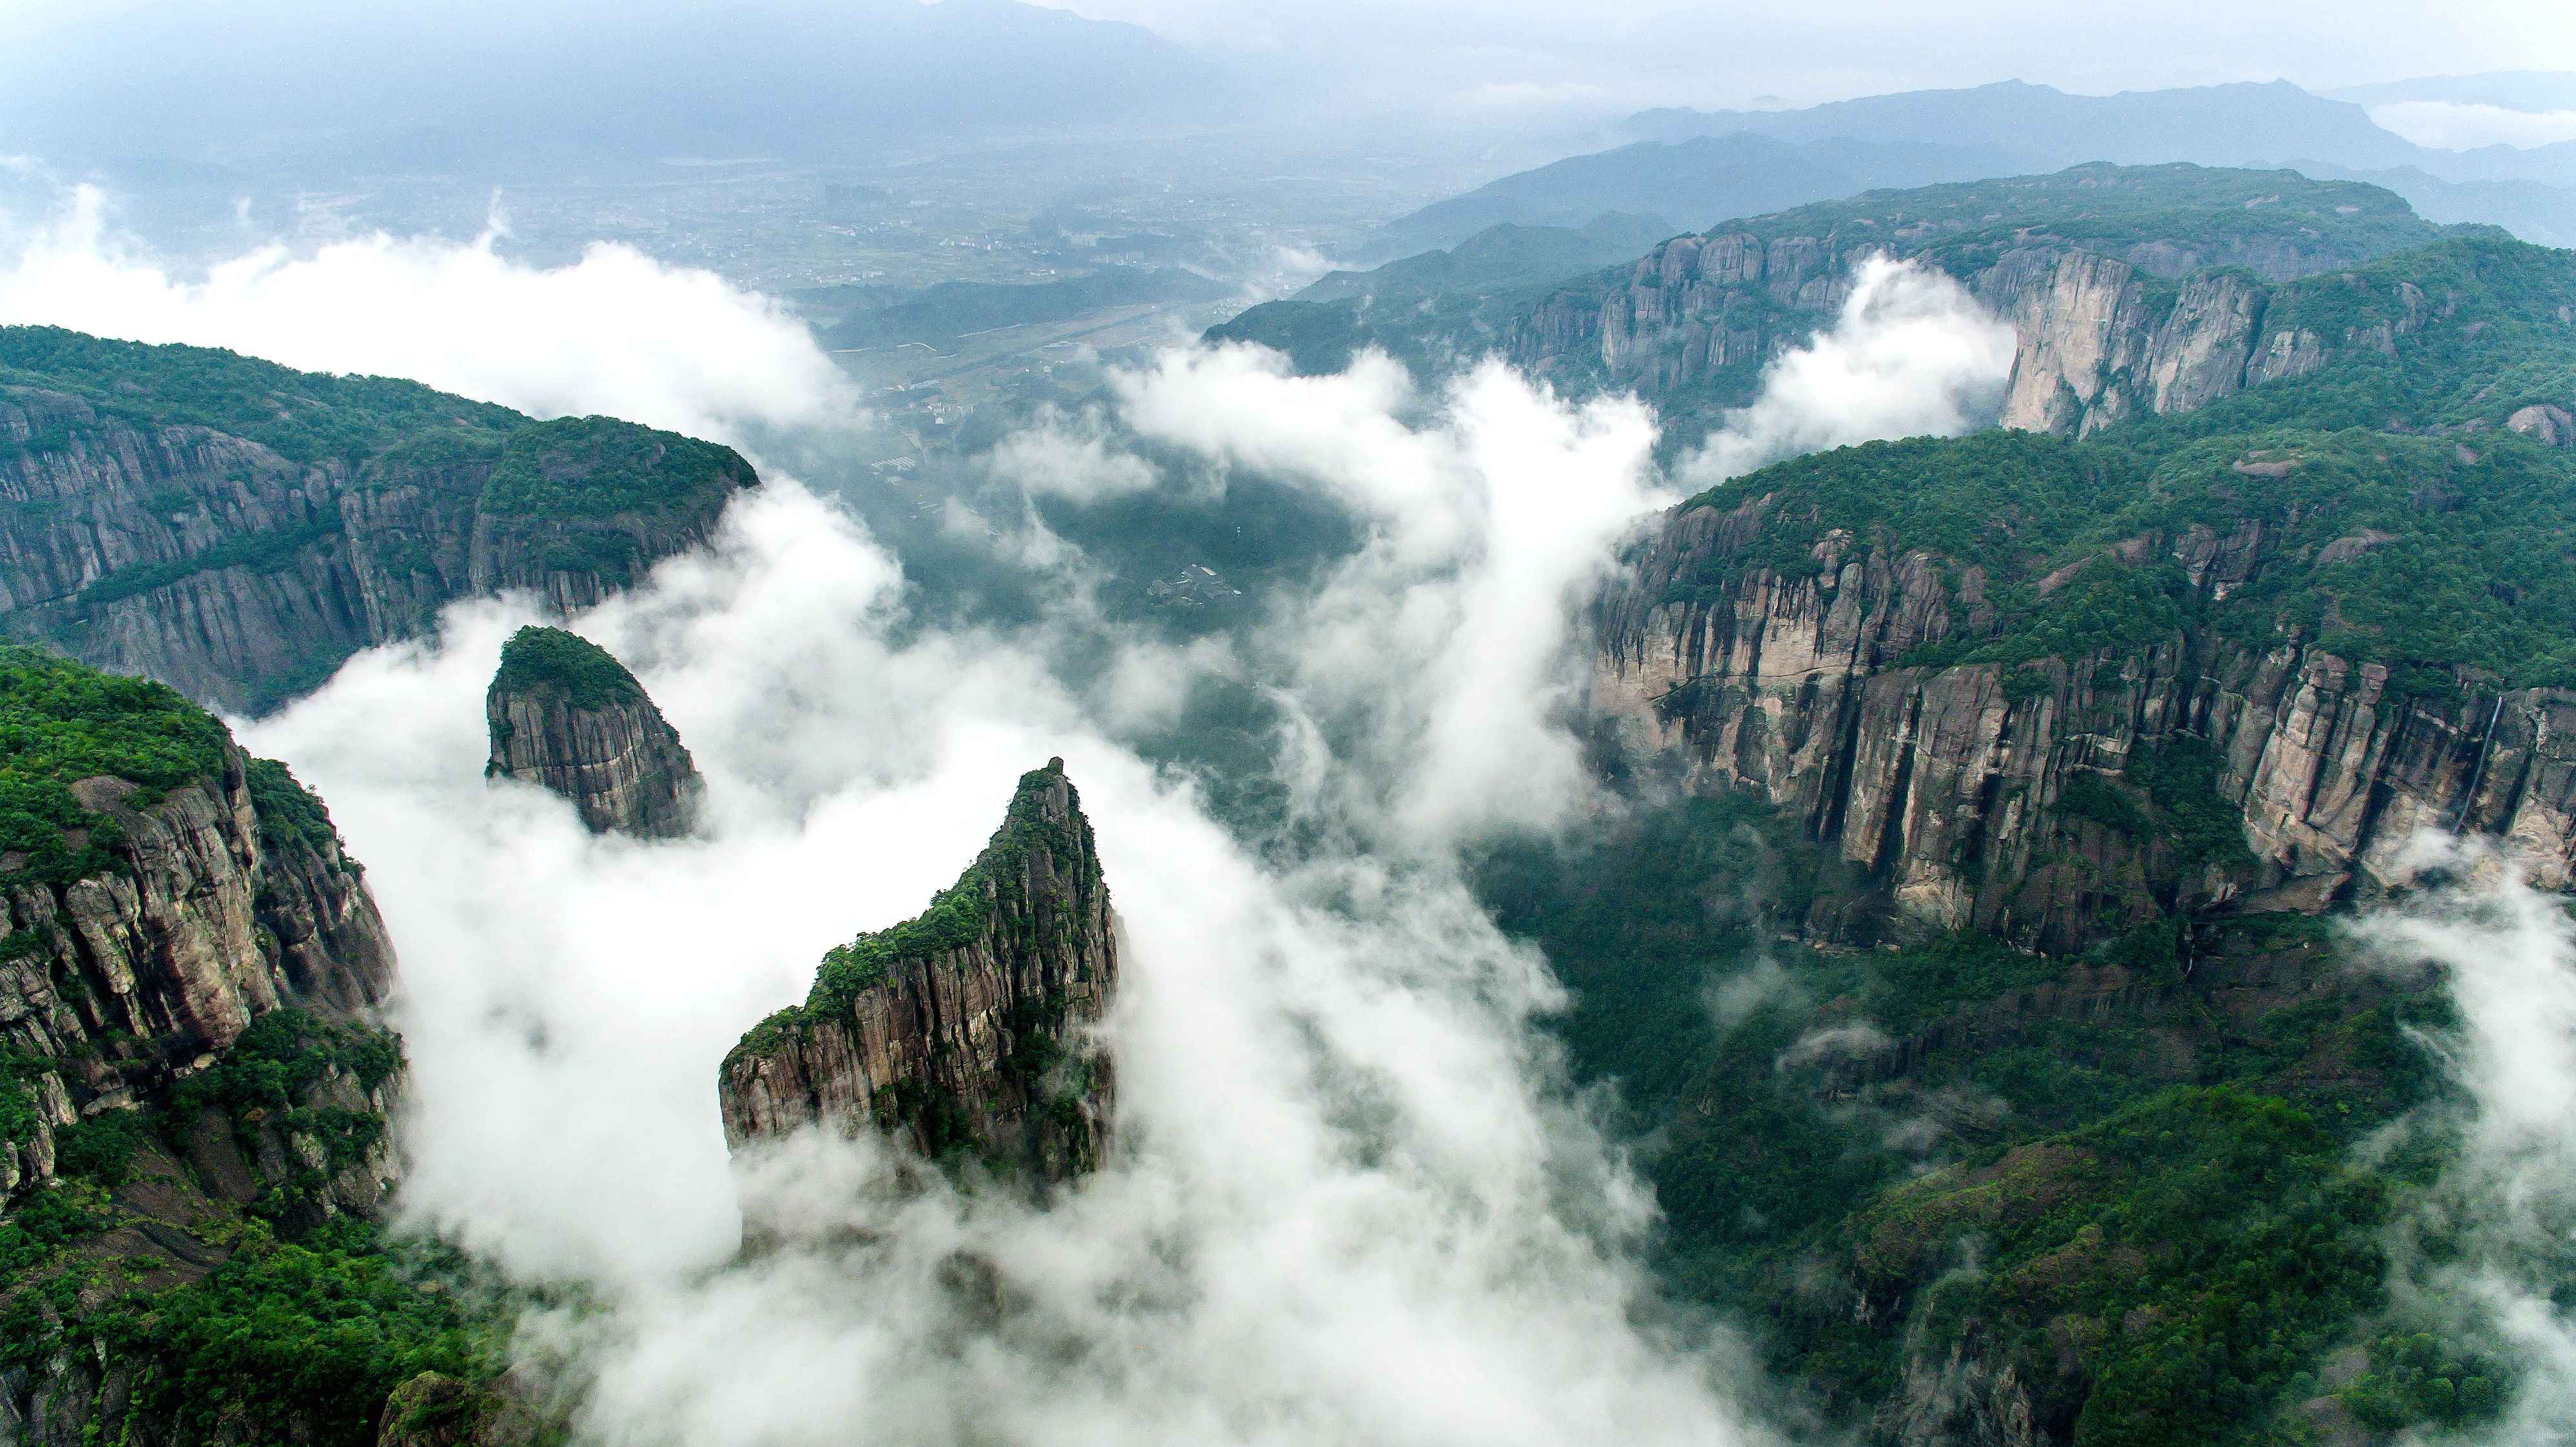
(1351, 1209)
(1911, 354)
(1071, 457)
(1436, 659)
(2458, 126)
(1353, 1203)
(1833, 1042)
(2507, 952)
(615, 333)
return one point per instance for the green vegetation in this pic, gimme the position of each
(2200, 1251)
(291, 817)
(2206, 215)
(61, 723)
(2148, 1202)
(990, 895)
(2453, 560)
(2171, 220)
(260, 552)
(988, 904)
(303, 416)
(550, 662)
(282, 1341)
(1502, 257)
(272, 1078)
(301, 1340)
(598, 468)
(282, 1323)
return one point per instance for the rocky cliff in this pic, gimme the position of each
(236, 530)
(2135, 281)
(2043, 799)
(565, 715)
(2113, 316)
(216, 903)
(967, 1029)
(189, 1070)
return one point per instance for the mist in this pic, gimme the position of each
(616, 332)
(1354, 1199)
(2505, 952)
(1910, 354)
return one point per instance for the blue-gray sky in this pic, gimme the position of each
(1566, 59)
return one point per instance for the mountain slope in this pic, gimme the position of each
(965, 1030)
(1501, 257)
(1700, 180)
(237, 529)
(1692, 323)
(195, 1103)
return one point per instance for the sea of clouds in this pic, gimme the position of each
(1352, 1200)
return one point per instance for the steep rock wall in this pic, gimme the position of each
(119, 985)
(585, 729)
(1940, 788)
(967, 1028)
(241, 577)
(2100, 333)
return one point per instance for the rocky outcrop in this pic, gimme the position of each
(189, 1068)
(968, 1029)
(242, 576)
(2102, 332)
(1942, 789)
(437, 1410)
(566, 715)
(119, 985)
(1963, 1401)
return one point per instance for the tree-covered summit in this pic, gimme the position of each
(61, 723)
(540, 660)
(303, 416)
(599, 467)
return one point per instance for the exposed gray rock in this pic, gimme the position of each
(566, 716)
(242, 577)
(969, 1027)
(1937, 787)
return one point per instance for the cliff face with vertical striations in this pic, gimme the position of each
(966, 1029)
(237, 530)
(2131, 289)
(565, 715)
(163, 919)
(195, 1099)
(2036, 795)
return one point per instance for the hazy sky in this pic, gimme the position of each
(1559, 56)
(1718, 52)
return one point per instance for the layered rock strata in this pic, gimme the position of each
(2098, 337)
(565, 715)
(242, 576)
(118, 986)
(1939, 789)
(967, 1029)
(189, 1068)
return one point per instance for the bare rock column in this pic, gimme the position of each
(567, 716)
(968, 1029)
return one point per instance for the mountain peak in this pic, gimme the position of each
(567, 716)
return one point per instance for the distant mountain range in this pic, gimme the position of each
(1698, 181)
(2217, 125)
(1702, 167)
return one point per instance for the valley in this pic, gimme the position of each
(1900, 772)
